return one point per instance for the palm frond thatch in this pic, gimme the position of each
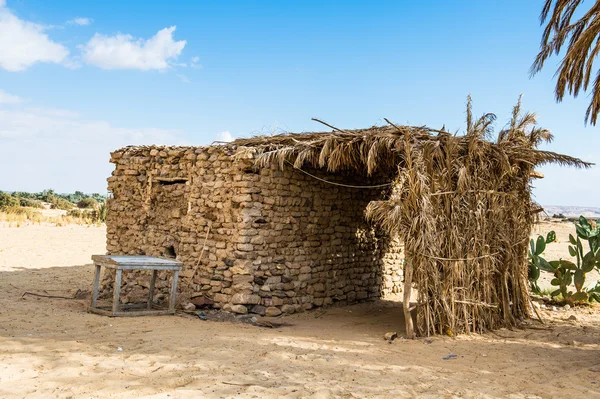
(461, 204)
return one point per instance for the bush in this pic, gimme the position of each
(87, 203)
(28, 202)
(97, 215)
(7, 200)
(59, 203)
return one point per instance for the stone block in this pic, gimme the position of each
(245, 299)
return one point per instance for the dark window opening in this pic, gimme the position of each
(170, 252)
(169, 182)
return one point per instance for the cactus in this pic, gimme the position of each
(536, 262)
(588, 230)
(567, 273)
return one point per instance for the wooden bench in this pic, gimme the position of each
(122, 262)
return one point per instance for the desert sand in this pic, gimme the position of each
(54, 348)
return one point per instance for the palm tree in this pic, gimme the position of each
(582, 47)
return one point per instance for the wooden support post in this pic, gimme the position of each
(151, 295)
(117, 290)
(408, 271)
(96, 286)
(173, 291)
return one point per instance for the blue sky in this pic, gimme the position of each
(78, 79)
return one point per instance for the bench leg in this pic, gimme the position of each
(96, 286)
(173, 291)
(151, 295)
(117, 290)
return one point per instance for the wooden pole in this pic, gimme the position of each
(410, 333)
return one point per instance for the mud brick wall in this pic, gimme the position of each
(265, 241)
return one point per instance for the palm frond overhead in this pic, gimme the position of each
(582, 40)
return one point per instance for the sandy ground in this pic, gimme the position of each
(54, 348)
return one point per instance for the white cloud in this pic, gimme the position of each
(24, 43)
(55, 150)
(2, 3)
(7, 98)
(126, 52)
(79, 21)
(225, 136)
(194, 63)
(183, 78)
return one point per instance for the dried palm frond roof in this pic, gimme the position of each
(380, 148)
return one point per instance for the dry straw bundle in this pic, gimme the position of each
(461, 204)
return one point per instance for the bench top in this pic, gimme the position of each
(136, 262)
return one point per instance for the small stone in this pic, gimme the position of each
(272, 311)
(258, 309)
(390, 336)
(288, 309)
(190, 307)
(567, 307)
(572, 318)
(239, 309)
(554, 309)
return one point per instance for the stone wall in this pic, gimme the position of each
(266, 241)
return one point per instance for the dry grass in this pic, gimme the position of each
(461, 204)
(20, 217)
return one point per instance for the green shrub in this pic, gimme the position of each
(7, 200)
(87, 203)
(59, 203)
(28, 202)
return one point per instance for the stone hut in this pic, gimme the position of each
(269, 240)
(278, 224)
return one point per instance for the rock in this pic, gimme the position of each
(190, 307)
(258, 309)
(272, 311)
(390, 336)
(288, 309)
(239, 309)
(264, 323)
(245, 299)
(572, 318)
(202, 302)
(567, 307)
